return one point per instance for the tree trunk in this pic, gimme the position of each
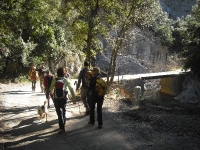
(112, 65)
(89, 41)
(93, 14)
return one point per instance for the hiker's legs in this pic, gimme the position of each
(41, 83)
(60, 112)
(33, 85)
(92, 112)
(47, 95)
(99, 111)
(64, 102)
(84, 97)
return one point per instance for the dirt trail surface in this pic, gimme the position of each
(124, 128)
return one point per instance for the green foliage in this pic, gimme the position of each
(38, 31)
(190, 33)
(176, 46)
(125, 15)
(86, 18)
(30, 34)
(157, 21)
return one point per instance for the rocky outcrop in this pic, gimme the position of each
(191, 91)
(141, 55)
(71, 62)
(144, 54)
(177, 8)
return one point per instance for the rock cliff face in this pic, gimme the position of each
(177, 8)
(145, 54)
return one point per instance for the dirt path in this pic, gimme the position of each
(124, 127)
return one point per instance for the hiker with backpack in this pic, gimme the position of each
(84, 87)
(47, 83)
(58, 90)
(97, 90)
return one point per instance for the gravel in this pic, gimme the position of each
(148, 127)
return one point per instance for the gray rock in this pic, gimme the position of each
(191, 93)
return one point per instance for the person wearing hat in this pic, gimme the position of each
(84, 87)
(95, 99)
(47, 83)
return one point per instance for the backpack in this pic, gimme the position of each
(59, 88)
(34, 75)
(100, 87)
(30, 73)
(48, 81)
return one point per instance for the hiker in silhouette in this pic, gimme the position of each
(84, 87)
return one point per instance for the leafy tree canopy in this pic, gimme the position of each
(36, 31)
(190, 33)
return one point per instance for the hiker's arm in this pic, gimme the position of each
(79, 80)
(45, 83)
(71, 90)
(52, 86)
